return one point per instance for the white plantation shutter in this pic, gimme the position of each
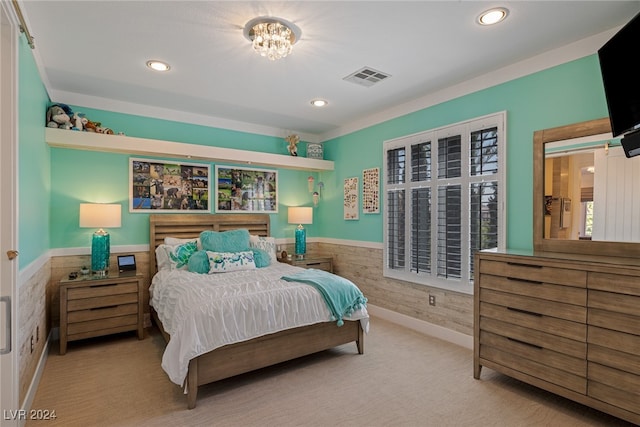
(443, 202)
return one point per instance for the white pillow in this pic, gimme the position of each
(267, 244)
(220, 262)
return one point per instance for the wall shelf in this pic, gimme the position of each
(153, 147)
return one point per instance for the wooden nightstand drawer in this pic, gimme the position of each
(102, 290)
(100, 324)
(88, 303)
(91, 307)
(101, 313)
(311, 261)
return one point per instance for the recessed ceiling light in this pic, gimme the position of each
(493, 16)
(319, 103)
(158, 65)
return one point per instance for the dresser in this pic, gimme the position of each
(93, 306)
(312, 261)
(569, 324)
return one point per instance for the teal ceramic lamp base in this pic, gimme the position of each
(301, 242)
(100, 252)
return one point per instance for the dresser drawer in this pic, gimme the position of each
(560, 327)
(102, 290)
(618, 283)
(534, 272)
(618, 341)
(541, 355)
(535, 306)
(532, 367)
(551, 292)
(613, 386)
(616, 359)
(534, 338)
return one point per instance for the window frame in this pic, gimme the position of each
(465, 128)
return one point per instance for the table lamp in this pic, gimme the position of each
(300, 215)
(100, 215)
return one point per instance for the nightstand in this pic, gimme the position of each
(311, 261)
(92, 306)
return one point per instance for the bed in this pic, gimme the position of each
(238, 355)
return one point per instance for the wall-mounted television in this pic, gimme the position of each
(621, 78)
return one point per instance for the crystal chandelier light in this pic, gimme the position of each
(272, 38)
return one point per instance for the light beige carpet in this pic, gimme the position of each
(403, 379)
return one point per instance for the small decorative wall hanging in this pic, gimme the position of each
(243, 190)
(315, 150)
(351, 198)
(310, 181)
(163, 186)
(371, 191)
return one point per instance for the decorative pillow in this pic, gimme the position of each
(220, 262)
(199, 262)
(261, 257)
(267, 244)
(179, 255)
(175, 241)
(225, 241)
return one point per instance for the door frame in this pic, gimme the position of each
(9, 34)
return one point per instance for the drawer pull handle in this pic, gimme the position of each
(314, 263)
(525, 343)
(518, 264)
(103, 285)
(104, 308)
(533, 282)
(519, 310)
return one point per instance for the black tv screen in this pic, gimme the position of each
(621, 77)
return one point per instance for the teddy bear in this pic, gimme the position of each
(59, 117)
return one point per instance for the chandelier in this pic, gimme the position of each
(271, 37)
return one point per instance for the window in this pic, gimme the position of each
(444, 200)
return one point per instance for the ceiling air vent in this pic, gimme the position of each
(366, 76)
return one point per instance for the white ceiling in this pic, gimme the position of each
(93, 54)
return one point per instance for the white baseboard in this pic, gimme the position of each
(35, 381)
(423, 327)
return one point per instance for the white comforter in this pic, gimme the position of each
(202, 312)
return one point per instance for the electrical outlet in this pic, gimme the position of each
(432, 300)
(31, 343)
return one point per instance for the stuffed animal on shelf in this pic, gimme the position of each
(78, 121)
(293, 141)
(59, 117)
(91, 126)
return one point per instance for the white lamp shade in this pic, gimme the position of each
(300, 215)
(100, 215)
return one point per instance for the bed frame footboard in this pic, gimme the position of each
(235, 359)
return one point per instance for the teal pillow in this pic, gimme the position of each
(261, 257)
(225, 241)
(199, 262)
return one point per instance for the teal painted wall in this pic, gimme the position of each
(33, 161)
(565, 94)
(87, 176)
(54, 181)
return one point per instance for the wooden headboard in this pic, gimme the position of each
(184, 226)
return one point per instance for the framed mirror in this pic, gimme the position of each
(554, 212)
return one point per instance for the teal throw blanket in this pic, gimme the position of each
(341, 295)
